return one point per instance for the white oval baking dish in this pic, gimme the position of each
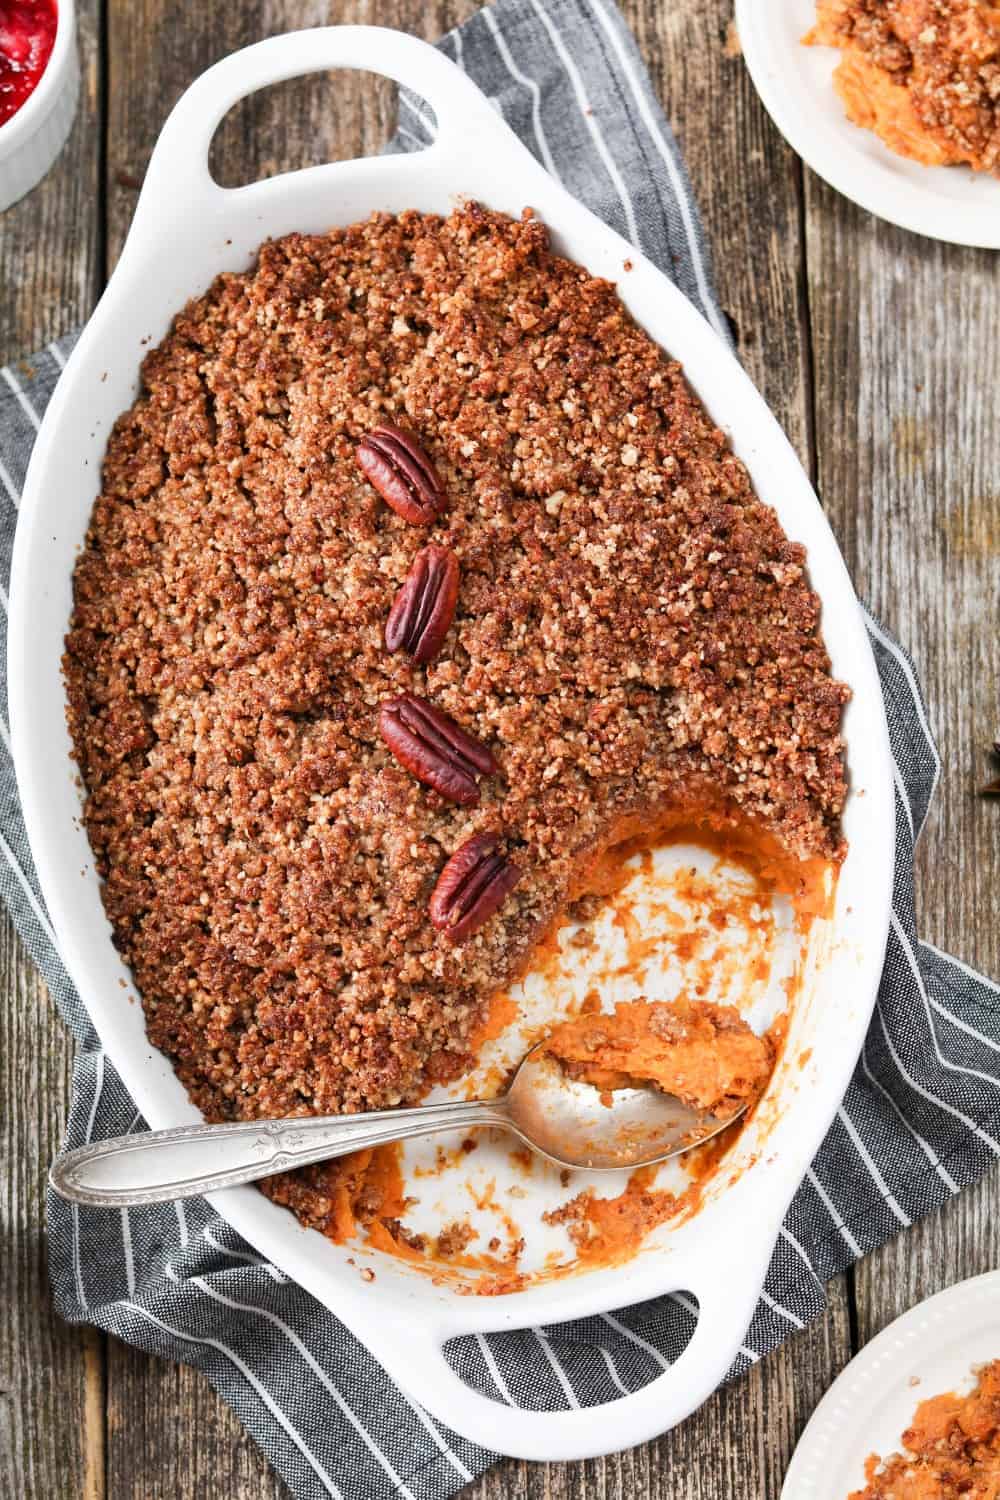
(186, 230)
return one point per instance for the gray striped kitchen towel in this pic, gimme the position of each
(920, 1120)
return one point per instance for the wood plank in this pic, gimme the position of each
(51, 1381)
(51, 1376)
(170, 1437)
(747, 184)
(740, 1442)
(291, 125)
(49, 241)
(907, 370)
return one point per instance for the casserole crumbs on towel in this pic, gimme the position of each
(633, 631)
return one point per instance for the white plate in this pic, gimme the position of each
(796, 88)
(186, 230)
(871, 1403)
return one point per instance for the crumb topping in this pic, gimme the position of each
(633, 630)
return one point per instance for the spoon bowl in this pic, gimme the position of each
(576, 1125)
(571, 1123)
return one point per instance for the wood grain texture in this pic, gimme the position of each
(50, 240)
(738, 164)
(294, 124)
(51, 1376)
(169, 1437)
(878, 353)
(907, 369)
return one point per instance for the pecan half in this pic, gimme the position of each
(436, 749)
(425, 606)
(393, 460)
(471, 887)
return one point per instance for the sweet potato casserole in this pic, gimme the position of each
(951, 1450)
(418, 576)
(924, 75)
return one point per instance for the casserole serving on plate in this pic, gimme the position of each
(796, 86)
(166, 262)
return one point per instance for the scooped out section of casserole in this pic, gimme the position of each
(712, 917)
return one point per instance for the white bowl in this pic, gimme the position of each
(930, 1349)
(186, 230)
(31, 139)
(796, 88)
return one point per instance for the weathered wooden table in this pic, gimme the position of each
(879, 353)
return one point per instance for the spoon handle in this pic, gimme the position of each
(160, 1165)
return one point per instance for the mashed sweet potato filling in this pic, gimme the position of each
(704, 1054)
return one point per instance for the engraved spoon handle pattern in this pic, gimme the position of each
(162, 1165)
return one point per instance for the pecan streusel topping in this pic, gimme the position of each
(632, 629)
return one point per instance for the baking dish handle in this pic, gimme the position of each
(178, 179)
(727, 1290)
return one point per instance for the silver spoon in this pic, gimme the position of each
(562, 1119)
